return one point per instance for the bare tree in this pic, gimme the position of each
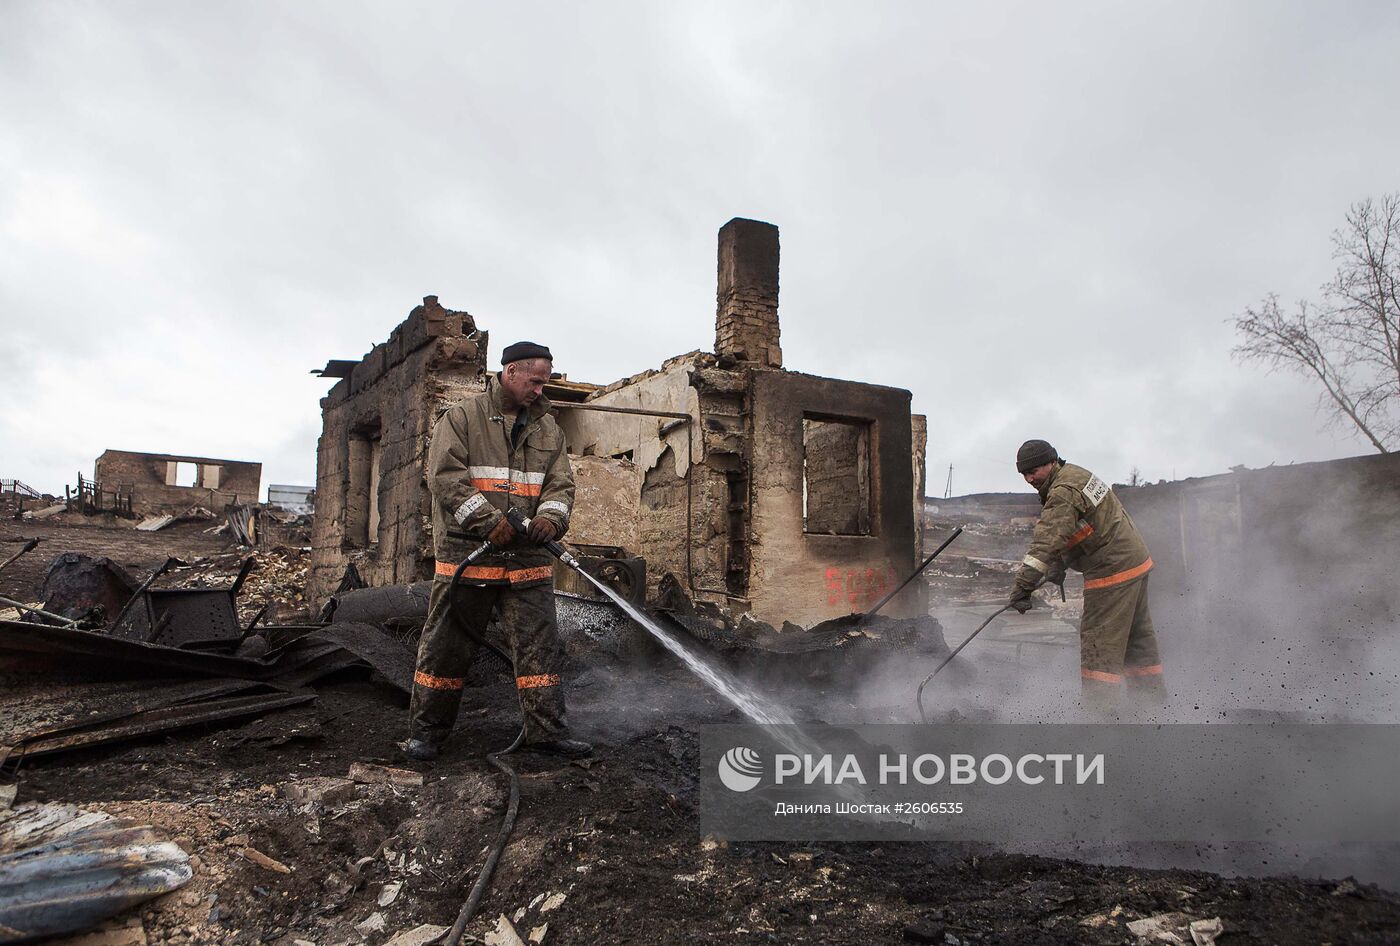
(1350, 340)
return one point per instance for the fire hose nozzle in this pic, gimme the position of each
(521, 522)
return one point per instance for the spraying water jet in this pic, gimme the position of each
(755, 708)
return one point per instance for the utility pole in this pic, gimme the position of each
(948, 489)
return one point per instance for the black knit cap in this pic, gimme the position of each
(1034, 453)
(522, 350)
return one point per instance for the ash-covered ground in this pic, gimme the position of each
(617, 836)
(288, 850)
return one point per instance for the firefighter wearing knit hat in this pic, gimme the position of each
(493, 451)
(1083, 526)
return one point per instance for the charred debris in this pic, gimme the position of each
(201, 693)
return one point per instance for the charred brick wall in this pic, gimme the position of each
(746, 312)
(801, 568)
(713, 497)
(372, 502)
(918, 434)
(676, 490)
(722, 496)
(728, 520)
(151, 483)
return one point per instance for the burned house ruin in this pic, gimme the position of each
(779, 494)
(161, 482)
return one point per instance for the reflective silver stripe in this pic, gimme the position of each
(554, 506)
(504, 473)
(488, 473)
(474, 503)
(1035, 563)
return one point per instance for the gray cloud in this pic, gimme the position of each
(1035, 217)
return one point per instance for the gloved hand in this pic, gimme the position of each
(542, 531)
(502, 534)
(1056, 576)
(1021, 599)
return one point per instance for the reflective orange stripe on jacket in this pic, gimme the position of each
(495, 573)
(1079, 536)
(1110, 580)
(1101, 676)
(509, 487)
(438, 683)
(1153, 671)
(538, 680)
(531, 574)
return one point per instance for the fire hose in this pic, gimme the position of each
(453, 937)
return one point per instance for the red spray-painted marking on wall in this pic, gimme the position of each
(858, 587)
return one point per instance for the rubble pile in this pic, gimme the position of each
(280, 527)
(14, 505)
(277, 581)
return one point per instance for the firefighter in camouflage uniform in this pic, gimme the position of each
(492, 451)
(1083, 526)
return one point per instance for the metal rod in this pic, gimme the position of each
(247, 567)
(140, 593)
(67, 622)
(917, 572)
(919, 698)
(27, 547)
(608, 408)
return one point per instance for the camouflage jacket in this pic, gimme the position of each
(475, 475)
(1083, 526)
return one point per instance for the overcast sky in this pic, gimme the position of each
(1037, 217)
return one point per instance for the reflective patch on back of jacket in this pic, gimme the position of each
(1095, 490)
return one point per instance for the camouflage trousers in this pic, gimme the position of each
(449, 642)
(1117, 645)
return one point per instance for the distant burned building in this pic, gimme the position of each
(298, 499)
(167, 482)
(785, 495)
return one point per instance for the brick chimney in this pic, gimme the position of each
(746, 314)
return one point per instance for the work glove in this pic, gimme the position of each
(502, 534)
(1021, 599)
(1056, 576)
(542, 531)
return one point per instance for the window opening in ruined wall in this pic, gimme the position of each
(178, 473)
(836, 493)
(185, 474)
(376, 452)
(362, 488)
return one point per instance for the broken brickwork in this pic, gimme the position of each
(371, 500)
(165, 482)
(784, 495)
(787, 496)
(746, 311)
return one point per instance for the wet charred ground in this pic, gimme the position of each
(606, 850)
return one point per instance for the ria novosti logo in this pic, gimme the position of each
(740, 769)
